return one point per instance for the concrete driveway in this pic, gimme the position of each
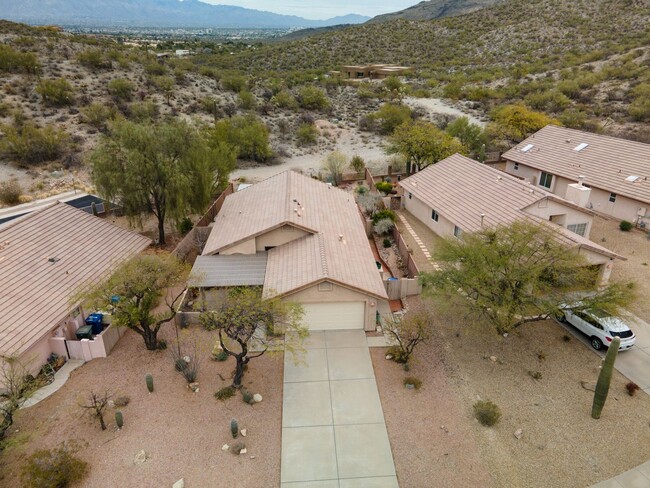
(634, 364)
(333, 429)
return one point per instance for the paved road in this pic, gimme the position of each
(333, 429)
(634, 364)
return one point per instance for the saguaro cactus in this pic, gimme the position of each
(605, 378)
(234, 428)
(149, 380)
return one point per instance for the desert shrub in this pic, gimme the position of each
(487, 412)
(411, 380)
(536, 375)
(185, 225)
(93, 59)
(471, 135)
(384, 187)
(387, 243)
(368, 201)
(10, 192)
(13, 61)
(57, 93)
(248, 134)
(625, 226)
(284, 99)
(220, 356)
(225, 393)
(155, 68)
(143, 111)
(54, 468)
(234, 83)
(306, 134)
(121, 401)
(383, 226)
(570, 88)
(312, 98)
(247, 100)
(121, 88)
(383, 214)
(97, 114)
(397, 355)
(390, 116)
(32, 145)
(357, 164)
(209, 72)
(639, 109)
(632, 388)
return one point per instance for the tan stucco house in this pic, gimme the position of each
(299, 239)
(46, 257)
(458, 195)
(606, 174)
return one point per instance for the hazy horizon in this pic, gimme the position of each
(321, 10)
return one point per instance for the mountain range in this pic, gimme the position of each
(434, 9)
(155, 13)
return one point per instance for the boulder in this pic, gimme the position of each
(140, 457)
(519, 433)
(257, 397)
(179, 484)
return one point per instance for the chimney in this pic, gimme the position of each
(482, 218)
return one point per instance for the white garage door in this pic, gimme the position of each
(334, 315)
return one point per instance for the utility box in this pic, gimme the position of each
(578, 194)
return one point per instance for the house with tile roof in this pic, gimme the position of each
(458, 195)
(46, 258)
(602, 173)
(299, 239)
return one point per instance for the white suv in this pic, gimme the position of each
(600, 327)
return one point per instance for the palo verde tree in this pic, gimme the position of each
(509, 275)
(245, 316)
(167, 169)
(422, 144)
(136, 289)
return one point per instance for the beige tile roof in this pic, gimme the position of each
(605, 162)
(337, 248)
(461, 189)
(35, 293)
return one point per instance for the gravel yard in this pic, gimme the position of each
(181, 432)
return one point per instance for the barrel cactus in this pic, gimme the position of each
(149, 380)
(605, 378)
(119, 419)
(234, 428)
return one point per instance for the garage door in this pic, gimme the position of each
(334, 315)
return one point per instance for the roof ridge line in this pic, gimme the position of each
(323, 259)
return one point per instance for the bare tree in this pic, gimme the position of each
(96, 405)
(15, 389)
(411, 330)
(335, 163)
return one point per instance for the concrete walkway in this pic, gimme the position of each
(333, 429)
(638, 477)
(60, 377)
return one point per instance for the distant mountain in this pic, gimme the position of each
(154, 13)
(434, 9)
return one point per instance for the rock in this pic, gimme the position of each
(505, 334)
(389, 356)
(243, 432)
(225, 447)
(588, 385)
(194, 387)
(252, 457)
(519, 433)
(187, 359)
(238, 447)
(493, 359)
(409, 386)
(257, 398)
(140, 457)
(243, 451)
(179, 484)
(111, 404)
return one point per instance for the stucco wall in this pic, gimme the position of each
(246, 247)
(338, 294)
(545, 209)
(443, 227)
(277, 237)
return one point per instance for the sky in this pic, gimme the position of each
(322, 9)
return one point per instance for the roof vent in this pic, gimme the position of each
(632, 178)
(528, 147)
(341, 237)
(53, 260)
(581, 180)
(580, 146)
(499, 178)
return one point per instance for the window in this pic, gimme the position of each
(579, 229)
(516, 166)
(612, 197)
(434, 215)
(457, 231)
(545, 179)
(410, 196)
(325, 286)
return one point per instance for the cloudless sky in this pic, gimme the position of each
(322, 9)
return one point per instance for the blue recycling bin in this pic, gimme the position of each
(95, 321)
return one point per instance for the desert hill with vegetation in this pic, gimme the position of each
(434, 9)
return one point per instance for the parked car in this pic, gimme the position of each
(599, 326)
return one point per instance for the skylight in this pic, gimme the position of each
(528, 148)
(632, 178)
(580, 146)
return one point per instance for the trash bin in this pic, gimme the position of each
(95, 320)
(85, 332)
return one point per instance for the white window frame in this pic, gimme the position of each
(612, 197)
(457, 232)
(545, 177)
(434, 215)
(577, 227)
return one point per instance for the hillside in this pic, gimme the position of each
(434, 9)
(154, 13)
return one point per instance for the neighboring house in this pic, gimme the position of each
(603, 173)
(373, 71)
(299, 239)
(458, 195)
(46, 258)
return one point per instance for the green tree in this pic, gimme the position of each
(245, 316)
(515, 123)
(422, 144)
(471, 135)
(247, 133)
(168, 169)
(57, 93)
(390, 116)
(312, 98)
(140, 286)
(121, 88)
(357, 164)
(247, 100)
(284, 99)
(166, 85)
(510, 275)
(334, 164)
(412, 329)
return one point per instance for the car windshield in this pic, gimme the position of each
(622, 334)
(599, 313)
